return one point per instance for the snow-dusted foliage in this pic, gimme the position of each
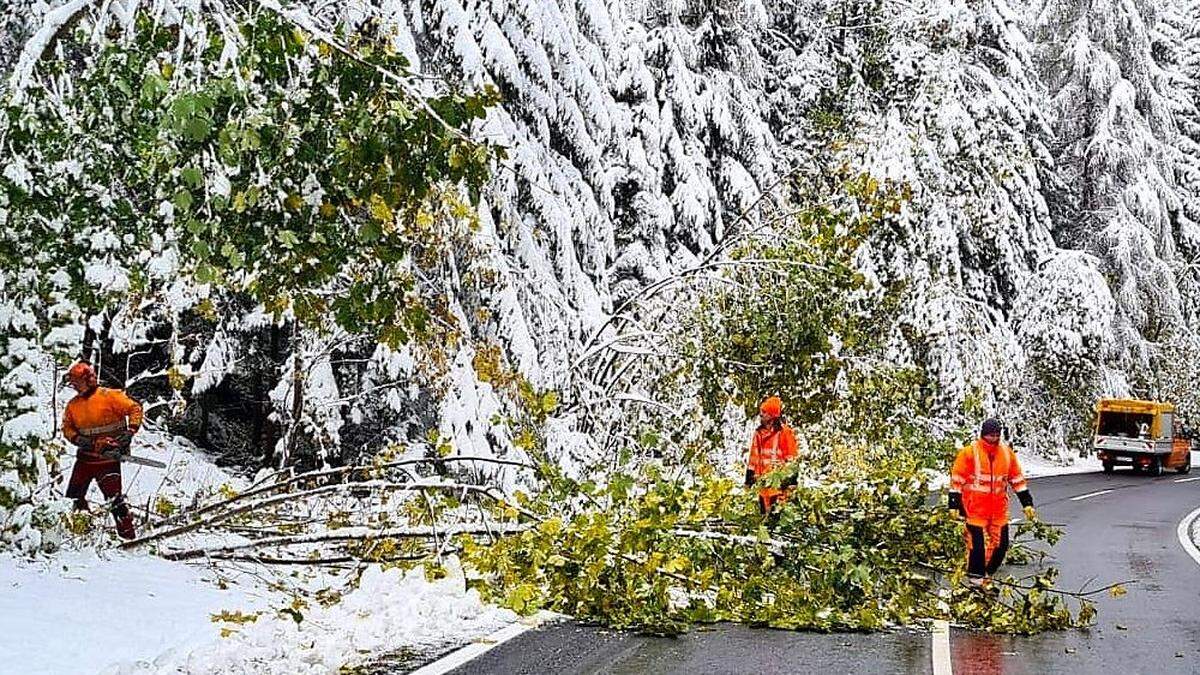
(956, 118)
(1049, 153)
(1116, 152)
(1065, 313)
(28, 513)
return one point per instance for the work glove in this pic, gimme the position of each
(1030, 513)
(955, 504)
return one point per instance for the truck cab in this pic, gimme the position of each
(1145, 435)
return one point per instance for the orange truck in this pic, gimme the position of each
(1146, 435)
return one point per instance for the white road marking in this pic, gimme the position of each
(1090, 494)
(1185, 535)
(941, 648)
(457, 658)
(1187, 480)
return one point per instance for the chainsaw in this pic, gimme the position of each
(134, 459)
(121, 453)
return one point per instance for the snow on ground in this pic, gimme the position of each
(89, 605)
(123, 614)
(1033, 465)
(79, 611)
(389, 611)
(85, 610)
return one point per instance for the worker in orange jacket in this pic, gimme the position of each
(773, 445)
(983, 471)
(100, 422)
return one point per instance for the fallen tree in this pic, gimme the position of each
(853, 549)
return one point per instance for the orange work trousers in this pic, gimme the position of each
(769, 497)
(987, 544)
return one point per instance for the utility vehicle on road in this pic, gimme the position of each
(1146, 435)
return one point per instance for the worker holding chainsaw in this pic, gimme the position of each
(101, 423)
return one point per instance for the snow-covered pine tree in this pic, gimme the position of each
(1114, 149)
(1176, 45)
(941, 98)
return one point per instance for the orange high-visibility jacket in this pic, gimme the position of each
(983, 478)
(103, 412)
(771, 448)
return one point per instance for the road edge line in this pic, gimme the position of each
(941, 648)
(480, 646)
(1185, 535)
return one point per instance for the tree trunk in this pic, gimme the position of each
(297, 397)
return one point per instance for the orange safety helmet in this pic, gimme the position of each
(772, 407)
(83, 373)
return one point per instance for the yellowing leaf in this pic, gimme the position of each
(380, 211)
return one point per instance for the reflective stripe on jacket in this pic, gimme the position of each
(771, 448)
(102, 412)
(984, 477)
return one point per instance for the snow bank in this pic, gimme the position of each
(1036, 465)
(79, 611)
(390, 610)
(87, 611)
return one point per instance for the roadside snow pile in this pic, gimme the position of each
(1035, 465)
(78, 611)
(136, 613)
(390, 610)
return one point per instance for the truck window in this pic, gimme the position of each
(1127, 425)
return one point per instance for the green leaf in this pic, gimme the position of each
(370, 232)
(192, 177)
(205, 274)
(196, 128)
(234, 256)
(183, 201)
(153, 87)
(287, 238)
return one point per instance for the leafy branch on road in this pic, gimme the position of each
(847, 552)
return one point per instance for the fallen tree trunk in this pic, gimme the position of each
(344, 534)
(339, 471)
(294, 496)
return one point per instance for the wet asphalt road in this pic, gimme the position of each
(1128, 533)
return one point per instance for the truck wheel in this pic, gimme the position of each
(1108, 467)
(1186, 467)
(1156, 467)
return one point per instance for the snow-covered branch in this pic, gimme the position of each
(343, 534)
